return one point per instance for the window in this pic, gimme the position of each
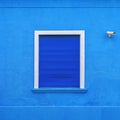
(59, 60)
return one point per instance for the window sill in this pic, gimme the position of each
(60, 90)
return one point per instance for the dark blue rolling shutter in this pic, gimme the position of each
(59, 60)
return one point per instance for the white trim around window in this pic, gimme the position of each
(82, 54)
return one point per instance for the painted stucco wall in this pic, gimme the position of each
(19, 20)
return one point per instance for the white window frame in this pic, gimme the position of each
(82, 53)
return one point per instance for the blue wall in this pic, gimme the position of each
(19, 20)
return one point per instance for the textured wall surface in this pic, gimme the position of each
(19, 20)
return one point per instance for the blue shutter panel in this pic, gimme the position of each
(59, 60)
